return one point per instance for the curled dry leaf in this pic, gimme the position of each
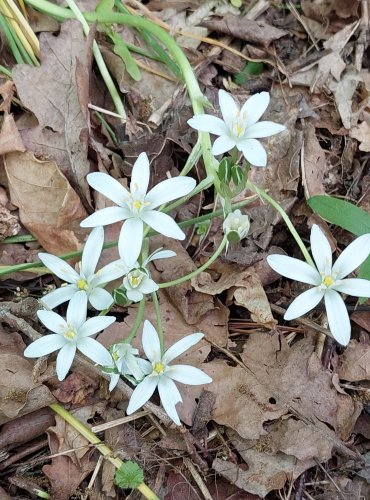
(48, 206)
(10, 138)
(245, 29)
(362, 134)
(244, 286)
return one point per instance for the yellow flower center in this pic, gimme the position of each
(137, 205)
(82, 284)
(328, 281)
(135, 278)
(159, 368)
(70, 334)
(239, 129)
(115, 356)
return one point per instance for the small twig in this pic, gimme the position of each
(119, 421)
(197, 478)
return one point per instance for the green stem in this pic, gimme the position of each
(10, 39)
(196, 97)
(199, 270)
(70, 255)
(262, 193)
(159, 321)
(101, 447)
(138, 320)
(5, 71)
(100, 62)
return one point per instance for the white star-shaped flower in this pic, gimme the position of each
(126, 362)
(327, 280)
(159, 373)
(137, 207)
(86, 280)
(239, 127)
(70, 334)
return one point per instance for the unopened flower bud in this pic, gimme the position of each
(236, 226)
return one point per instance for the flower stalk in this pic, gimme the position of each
(101, 447)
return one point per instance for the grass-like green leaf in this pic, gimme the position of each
(122, 51)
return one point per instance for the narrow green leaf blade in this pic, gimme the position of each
(341, 213)
(122, 51)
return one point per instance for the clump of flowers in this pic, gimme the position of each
(328, 280)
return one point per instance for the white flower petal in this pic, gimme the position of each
(208, 123)
(148, 286)
(134, 295)
(59, 267)
(145, 366)
(110, 272)
(294, 269)
(150, 341)
(321, 251)
(163, 224)
(105, 216)
(114, 378)
(229, 107)
(77, 309)
(131, 240)
(181, 346)
(188, 375)
(338, 319)
(100, 299)
(159, 254)
(222, 144)
(263, 129)
(169, 190)
(353, 286)
(304, 303)
(133, 367)
(352, 257)
(142, 394)
(92, 250)
(140, 174)
(253, 151)
(95, 351)
(109, 187)
(58, 296)
(65, 359)
(95, 325)
(52, 321)
(254, 107)
(44, 345)
(169, 395)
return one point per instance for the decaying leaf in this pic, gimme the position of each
(10, 139)
(48, 206)
(362, 134)
(19, 395)
(57, 93)
(355, 362)
(314, 164)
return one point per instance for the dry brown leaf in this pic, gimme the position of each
(67, 471)
(9, 225)
(314, 164)
(279, 379)
(10, 139)
(48, 206)
(57, 93)
(246, 288)
(319, 9)
(362, 134)
(6, 92)
(19, 395)
(355, 362)
(245, 29)
(192, 304)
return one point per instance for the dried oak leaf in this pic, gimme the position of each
(48, 206)
(245, 29)
(57, 93)
(355, 362)
(277, 380)
(314, 164)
